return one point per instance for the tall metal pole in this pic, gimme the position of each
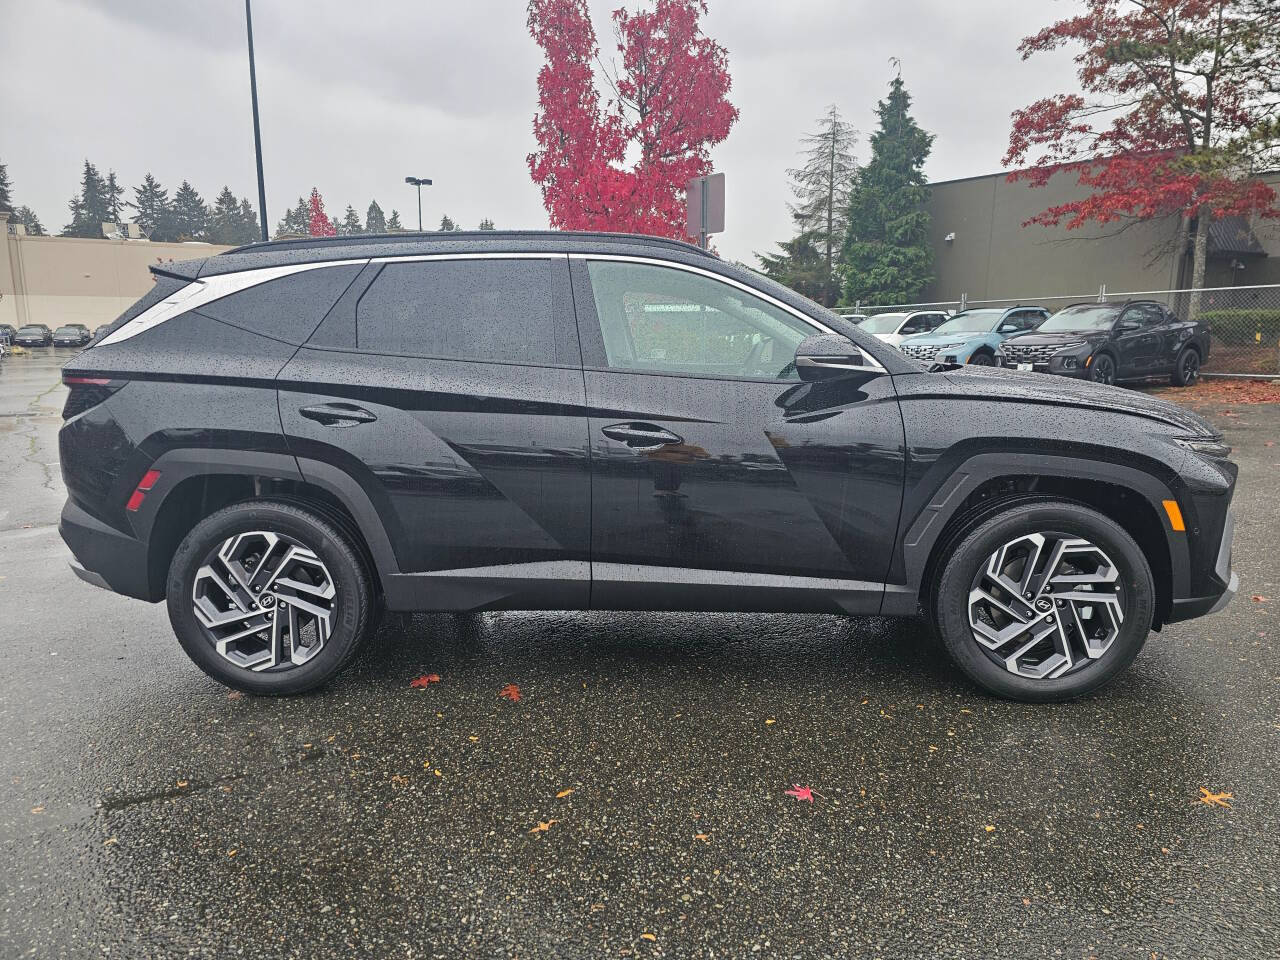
(419, 207)
(257, 131)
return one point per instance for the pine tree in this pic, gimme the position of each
(151, 201)
(374, 221)
(350, 222)
(821, 186)
(248, 223)
(89, 208)
(393, 222)
(887, 257)
(190, 215)
(6, 189)
(113, 192)
(486, 224)
(27, 217)
(447, 224)
(801, 265)
(226, 222)
(294, 223)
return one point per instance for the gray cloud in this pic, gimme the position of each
(355, 96)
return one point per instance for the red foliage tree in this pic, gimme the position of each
(1178, 109)
(670, 108)
(318, 222)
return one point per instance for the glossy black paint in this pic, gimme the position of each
(1144, 341)
(476, 484)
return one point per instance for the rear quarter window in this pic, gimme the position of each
(288, 308)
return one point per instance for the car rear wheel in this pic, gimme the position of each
(1103, 369)
(269, 598)
(1187, 369)
(1043, 602)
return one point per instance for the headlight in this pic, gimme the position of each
(1214, 449)
(1074, 345)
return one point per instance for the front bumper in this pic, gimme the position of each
(1223, 577)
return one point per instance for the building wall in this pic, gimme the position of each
(993, 256)
(57, 280)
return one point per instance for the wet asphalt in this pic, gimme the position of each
(144, 811)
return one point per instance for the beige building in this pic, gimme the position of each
(57, 280)
(983, 252)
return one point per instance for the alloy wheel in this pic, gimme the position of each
(982, 360)
(1190, 367)
(1104, 370)
(1046, 604)
(265, 601)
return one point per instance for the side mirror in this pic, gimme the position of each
(828, 356)
(1128, 326)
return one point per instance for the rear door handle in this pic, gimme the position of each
(338, 414)
(640, 435)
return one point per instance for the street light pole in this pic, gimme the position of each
(257, 131)
(418, 182)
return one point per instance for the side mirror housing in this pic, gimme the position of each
(828, 356)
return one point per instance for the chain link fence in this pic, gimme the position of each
(1244, 322)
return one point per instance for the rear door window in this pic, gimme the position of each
(478, 309)
(288, 308)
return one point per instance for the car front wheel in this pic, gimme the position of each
(1187, 369)
(269, 598)
(1103, 369)
(1045, 601)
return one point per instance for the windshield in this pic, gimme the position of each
(1085, 316)
(67, 330)
(883, 323)
(32, 330)
(971, 321)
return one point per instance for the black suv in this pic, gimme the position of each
(33, 335)
(283, 440)
(1110, 342)
(71, 335)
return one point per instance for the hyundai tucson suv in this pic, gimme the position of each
(893, 328)
(33, 335)
(973, 336)
(71, 335)
(284, 440)
(1110, 342)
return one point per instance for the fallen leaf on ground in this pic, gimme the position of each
(543, 826)
(1211, 799)
(39, 809)
(800, 793)
(235, 695)
(111, 841)
(770, 721)
(232, 853)
(988, 828)
(564, 793)
(703, 837)
(1257, 599)
(510, 692)
(183, 784)
(648, 936)
(425, 680)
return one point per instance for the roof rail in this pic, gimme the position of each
(409, 236)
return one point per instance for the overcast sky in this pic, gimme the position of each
(354, 96)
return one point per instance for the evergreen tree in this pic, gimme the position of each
(6, 189)
(151, 201)
(374, 221)
(27, 217)
(231, 221)
(295, 222)
(350, 222)
(190, 214)
(249, 223)
(90, 207)
(393, 222)
(886, 256)
(801, 265)
(113, 192)
(486, 224)
(447, 224)
(821, 186)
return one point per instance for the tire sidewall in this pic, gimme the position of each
(1115, 369)
(318, 535)
(951, 600)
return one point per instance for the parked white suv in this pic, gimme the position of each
(893, 328)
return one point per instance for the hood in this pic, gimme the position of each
(938, 339)
(998, 384)
(1034, 339)
(893, 339)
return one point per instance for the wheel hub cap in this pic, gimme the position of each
(264, 601)
(1046, 604)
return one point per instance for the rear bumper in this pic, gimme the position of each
(104, 556)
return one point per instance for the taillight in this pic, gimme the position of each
(141, 490)
(87, 392)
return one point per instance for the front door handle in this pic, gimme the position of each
(338, 414)
(640, 435)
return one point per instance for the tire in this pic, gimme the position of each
(982, 358)
(1103, 369)
(1065, 664)
(310, 568)
(1186, 371)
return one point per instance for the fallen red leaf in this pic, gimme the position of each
(1257, 599)
(1211, 799)
(511, 692)
(425, 680)
(800, 793)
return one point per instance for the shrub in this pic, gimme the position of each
(1241, 327)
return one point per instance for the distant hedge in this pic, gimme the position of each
(1239, 327)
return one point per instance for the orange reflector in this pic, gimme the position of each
(1089, 360)
(1175, 514)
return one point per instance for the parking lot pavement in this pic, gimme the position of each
(631, 802)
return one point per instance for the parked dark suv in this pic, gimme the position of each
(71, 335)
(33, 335)
(283, 440)
(1110, 342)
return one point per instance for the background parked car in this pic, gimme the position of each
(893, 328)
(7, 333)
(1108, 342)
(973, 336)
(71, 335)
(33, 335)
